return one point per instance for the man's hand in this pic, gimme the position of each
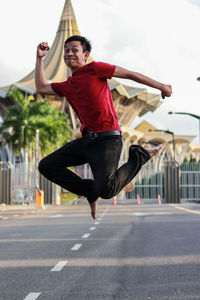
(42, 49)
(42, 86)
(166, 90)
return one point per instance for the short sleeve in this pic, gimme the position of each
(104, 70)
(57, 87)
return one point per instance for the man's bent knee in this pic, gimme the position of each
(42, 167)
(106, 190)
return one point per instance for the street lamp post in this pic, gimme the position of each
(169, 132)
(189, 114)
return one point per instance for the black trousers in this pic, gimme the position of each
(102, 154)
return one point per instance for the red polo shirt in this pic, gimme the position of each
(87, 91)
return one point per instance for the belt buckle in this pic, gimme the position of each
(92, 135)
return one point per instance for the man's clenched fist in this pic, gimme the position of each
(42, 49)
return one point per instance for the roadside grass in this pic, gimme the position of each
(67, 197)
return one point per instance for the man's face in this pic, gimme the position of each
(74, 56)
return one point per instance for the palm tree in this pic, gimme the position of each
(18, 130)
(25, 116)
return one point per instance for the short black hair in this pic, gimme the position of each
(84, 42)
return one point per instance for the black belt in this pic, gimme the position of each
(93, 135)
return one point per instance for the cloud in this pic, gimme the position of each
(195, 2)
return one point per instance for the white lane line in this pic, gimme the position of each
(15, 215)
(59, 266)
(139, 214)
(32, 296)
(92, 228)
(96, 223)
(105, 211)
(55, 216)
(3, 218)
(99, 219)
(76, 247)
(85, 236)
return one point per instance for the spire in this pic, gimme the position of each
(68, 22)
(55, 68)
(68, 12)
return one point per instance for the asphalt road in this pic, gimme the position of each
(129, 252)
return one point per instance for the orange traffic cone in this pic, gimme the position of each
(138, 199)
(114, 200)
(159, 201)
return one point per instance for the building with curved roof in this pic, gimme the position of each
(129, 101)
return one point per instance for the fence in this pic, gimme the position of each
(17, 184)
(148, 184)
(49, 189)
(5, 183)
(24, 185)
(172, 182)
(190, 182)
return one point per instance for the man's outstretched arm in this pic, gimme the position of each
(166, 90)
(40, 81)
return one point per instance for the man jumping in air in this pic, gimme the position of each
(87, 91)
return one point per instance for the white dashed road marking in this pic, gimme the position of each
(139, 214)
(96, 223)
(99, 219)
(105, 211)
(92, 228)
(32, 296)
(3, 218)
(55, 216)
(76, 247)
(59, 266)
(85, 236)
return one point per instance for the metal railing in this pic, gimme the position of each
(190, 181)
(172, 183)
(5, 183)
(148, 185)
(24, 185)
(49, 189)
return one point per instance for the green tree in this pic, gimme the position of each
(192, 159)
(25, 116)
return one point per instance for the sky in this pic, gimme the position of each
(158, 38)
